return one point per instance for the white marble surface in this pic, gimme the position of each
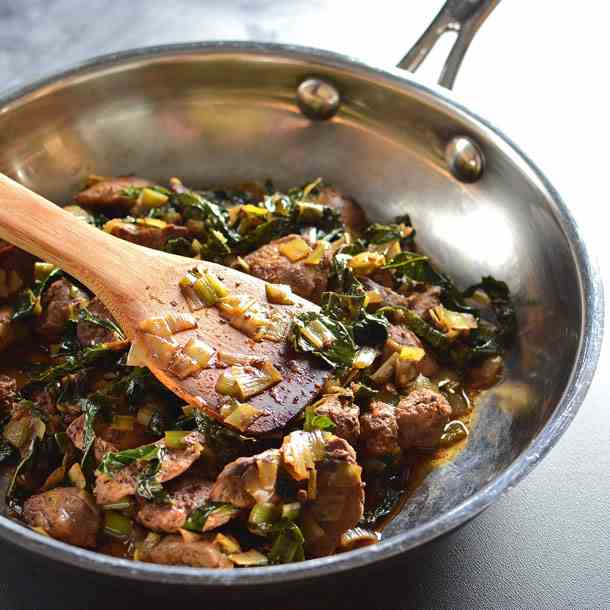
(539, 70)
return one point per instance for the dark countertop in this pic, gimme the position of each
(546, 545)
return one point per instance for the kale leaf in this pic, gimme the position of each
(28, 302)
(197, 519)
(86, 316)
(338, 353)
(502, 306)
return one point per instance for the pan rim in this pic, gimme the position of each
(591, 294)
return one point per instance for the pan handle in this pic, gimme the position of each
(462, 16)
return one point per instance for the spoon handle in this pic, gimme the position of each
(110, 267)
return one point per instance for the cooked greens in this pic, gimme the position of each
(116, 462)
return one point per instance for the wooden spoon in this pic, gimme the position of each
(136, 284)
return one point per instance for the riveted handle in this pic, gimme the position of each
(462, 16)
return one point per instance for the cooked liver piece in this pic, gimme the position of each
(76, 433)
(421, 417)
(185, 496)
(239, 482)
(400, 336)
(379, 430)
(124, 482)
(108, 192)
(59, 302)
(202, 553)
(339, 501)
(92, 334)
(144, 235)
(16, 270)
(308, 281)
(65, 513)
(344, 415)
(421, 302)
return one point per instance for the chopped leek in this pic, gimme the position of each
(199, 351)
(404, 372)
(242, 416)
(263, 488)
(144, 415)
(302, 450)
(75, 474)
(156, 223)
(411, 353)
(295, 249)
(358, 537)
(191, 297)
(243, 382)
(317, 255)
(177, 322)
(174, 439)
(116, 524)
(310, 213)
(191, 358)
(43, 270)
(123, 504)
(235, 304)
(279, 294)
(262, 517)
(372, 297)
(160, 350)
(384, 373)
(287, 543)
(318, 335)
(206, 286)
(228, 544)
(254, 381)
(225, 384)
(365, 356)
(366, 262)
(249, 559)
(453, 432)
(150, 198)
(448, 321)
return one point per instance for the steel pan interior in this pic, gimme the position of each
(221, 113)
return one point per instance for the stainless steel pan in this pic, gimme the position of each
(221, 112)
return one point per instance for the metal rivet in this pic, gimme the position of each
(317, 99)
(465, 159)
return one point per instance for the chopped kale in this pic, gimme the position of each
(86, 316)
(197, 519)
(28, 302)
(502, 306)
(338, 350)
(317, 422)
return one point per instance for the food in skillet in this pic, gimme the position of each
(100, 455)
